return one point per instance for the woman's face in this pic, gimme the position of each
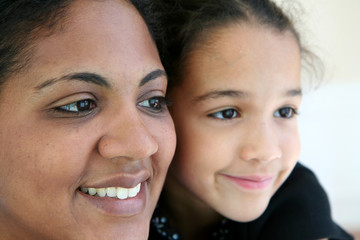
(234, 116)
(85, 137)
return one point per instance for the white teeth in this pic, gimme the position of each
(111, 192)
(134, 191)
(101, 192)
(114, 192)
(122, 193)
(92, 191)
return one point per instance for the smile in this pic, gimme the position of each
(255, 183)
(113, 192)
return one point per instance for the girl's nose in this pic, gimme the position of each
(261, 143)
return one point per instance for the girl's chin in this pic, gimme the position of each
(248, 212)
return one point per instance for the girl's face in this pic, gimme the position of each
(85, 138)
(235, 117)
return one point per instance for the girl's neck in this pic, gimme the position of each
(191, 216)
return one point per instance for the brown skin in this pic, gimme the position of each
(254, 72)
(46, 155)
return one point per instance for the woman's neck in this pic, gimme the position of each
(191, 216)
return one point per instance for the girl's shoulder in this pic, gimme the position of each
(300, 209)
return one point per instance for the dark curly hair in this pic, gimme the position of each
(188, 23)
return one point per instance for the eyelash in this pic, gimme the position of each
(84, 107)
(155, 104)
(232, 113)
(79, 108)
(285, 112)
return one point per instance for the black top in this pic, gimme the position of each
(299, 210)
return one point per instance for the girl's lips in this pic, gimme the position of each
(251, 182)
(120, 207)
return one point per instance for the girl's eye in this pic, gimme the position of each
(226, 114)
(155, 104)
(286, 112)
(79, 107)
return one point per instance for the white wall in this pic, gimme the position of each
(330, 117)
(330, 134)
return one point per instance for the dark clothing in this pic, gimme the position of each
(299, 210)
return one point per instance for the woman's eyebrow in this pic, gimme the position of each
(82, 76)
(152, 76)
(96, 79)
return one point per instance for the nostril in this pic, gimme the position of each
(247, 153)
(104, 147)
(132, 147)
(261, 153)
(147, 147)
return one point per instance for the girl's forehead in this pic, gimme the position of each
(246, 58)
(241, 37)
(247, 44)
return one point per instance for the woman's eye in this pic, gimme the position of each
(155, 104)
(286, 112)
(226, 114)
(78, 107)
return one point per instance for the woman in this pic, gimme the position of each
(85, 134)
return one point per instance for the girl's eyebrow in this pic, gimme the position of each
(221, 93)
(294, 92)
(239, 94)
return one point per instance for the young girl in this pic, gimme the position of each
(235, 70)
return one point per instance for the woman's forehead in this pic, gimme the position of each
(113, 41)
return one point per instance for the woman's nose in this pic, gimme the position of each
(128, 138)
(261, 142)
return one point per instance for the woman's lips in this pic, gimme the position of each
(251, 182)
(117, 200)
(120, 179)
(122, 194)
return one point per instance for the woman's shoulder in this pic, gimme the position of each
(160, 226)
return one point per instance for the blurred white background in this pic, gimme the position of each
(330, 116)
